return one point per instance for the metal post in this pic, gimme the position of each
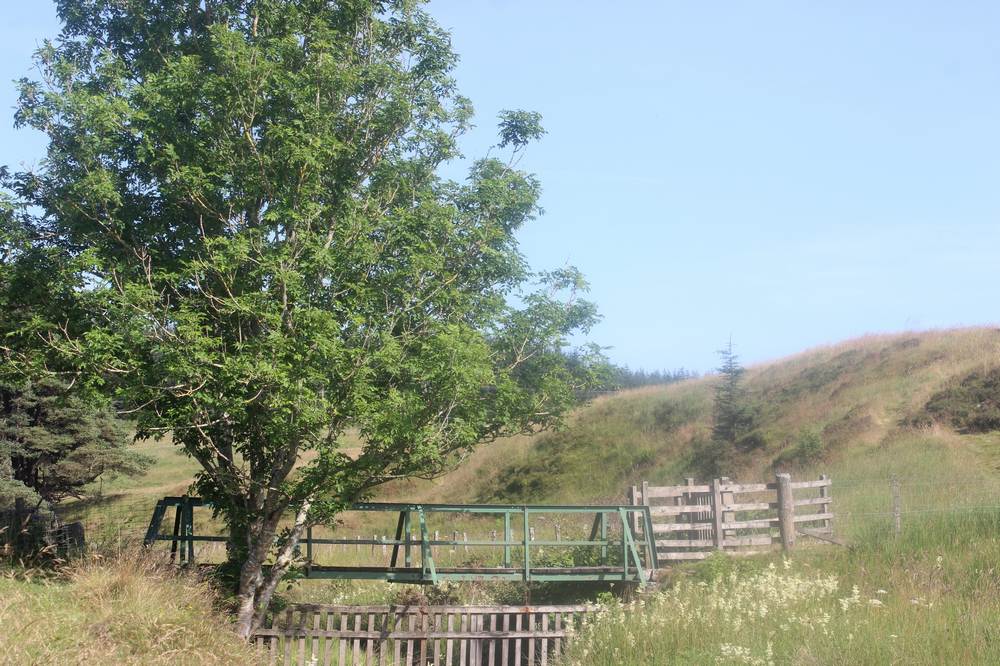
(604, 538)
(507, 536)
(786, 511)
(527, 546)
(407, 557)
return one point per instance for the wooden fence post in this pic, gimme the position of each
(728, 516)
(824, 492)
(717, 514)
(786, 511)
(897, 506)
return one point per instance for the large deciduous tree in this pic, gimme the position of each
(247, 196)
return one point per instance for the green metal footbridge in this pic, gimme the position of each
(620, 546)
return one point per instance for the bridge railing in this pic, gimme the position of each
(620, 545)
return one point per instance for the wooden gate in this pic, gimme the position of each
(691, 521)
(418, 635)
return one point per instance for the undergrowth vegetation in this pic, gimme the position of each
(129, 608)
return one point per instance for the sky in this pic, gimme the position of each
(787, 174)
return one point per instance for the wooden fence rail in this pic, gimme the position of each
(692, 521)
(419, 635)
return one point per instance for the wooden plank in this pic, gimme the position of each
(397, 644)
(370, 652)
(750, 506)
(660, 528)
(463, 624)
(288, 641)
(744, 487)
(684, 543)
(517, 641)
(813, 517)
(505, 651)
(751, 524)
(806, 501)
(426, 628)
(557, 647)
(550, 608)
(824, 492)
(411, 624)
(676, 491)
(437, 643)
(822, 483)
(545, 641)
(531, 641)
(493, 644)
(418, 634)
(388, 624)
(316, 646)
(343, 642)
(747, 541)
(786, 511)
(449, 645)
(717, 513)
(679, 509)
(358, 632)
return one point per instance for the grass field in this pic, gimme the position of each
(928, 595)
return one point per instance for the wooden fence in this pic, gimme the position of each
(692, 521)
(419, 635)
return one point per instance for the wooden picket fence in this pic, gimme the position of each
(692, 521)
(419, 635)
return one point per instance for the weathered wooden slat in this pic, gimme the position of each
(505, 651)
(462, 645)
(397, 647)
(449, 644)
(411, 624)
(370, 647)
(747, 541)
(679, 509)
(806, 501)
(810, 484)
(545, 641)
(388, 624)
(744, 487)
(517, 641)
(343, 641)
(673, 491)
(493, 644)
(750, 506)
(357, 639)
(661, 528)
(684, 543)
(750, 524)
(531, 641)
(557, 647)
(813, 516)
(426, 628)
(418, 610)
(287, 640)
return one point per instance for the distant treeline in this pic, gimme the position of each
(625, 377)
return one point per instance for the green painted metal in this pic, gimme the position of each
(633, 566)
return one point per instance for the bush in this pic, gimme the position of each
(971, 406)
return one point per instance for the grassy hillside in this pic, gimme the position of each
(859, 400)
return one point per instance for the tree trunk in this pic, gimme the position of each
(255, 587)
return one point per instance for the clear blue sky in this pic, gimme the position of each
(790, 173)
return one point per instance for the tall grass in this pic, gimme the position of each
(129, 608)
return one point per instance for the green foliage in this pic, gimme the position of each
(52, 443)
(248, 199)
(808, 448)
(734, 421)
(970, 406)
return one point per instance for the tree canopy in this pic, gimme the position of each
(244, 199)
